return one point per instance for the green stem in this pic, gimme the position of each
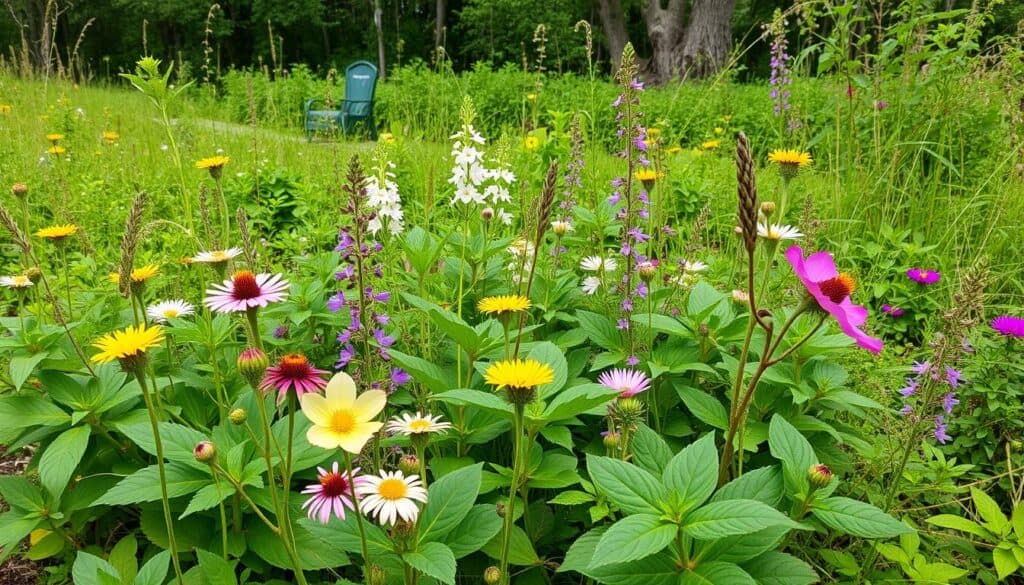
(359, 518)
(510, 506)
(165, 500)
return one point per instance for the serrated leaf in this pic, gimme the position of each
(571, 498)
(650, 451)
(449, 499)
(789, 446)
(479, 526)
(433, 559)
(630, 488)
(733, 517)
(763, 485)
(215, 570)
(858, 518)
(777, 568)
(632, 538)
(704, 406)
(154, 572)
(144, 485)
(989, 511)
(693, 473)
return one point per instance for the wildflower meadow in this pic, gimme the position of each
(586, 315)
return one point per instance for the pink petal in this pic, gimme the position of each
(819, 266)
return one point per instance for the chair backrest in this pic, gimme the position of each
(360, 81)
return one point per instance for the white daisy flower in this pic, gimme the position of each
(595, 264)
(521, 247)
(391, 496)
(562, 227)
(19, 281)
(778, 232)
(416, 424)
(217, 256)
(695, 266)
(166, 310)
(590, 285)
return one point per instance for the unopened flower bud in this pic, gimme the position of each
(205, 452)
(612, 439)
(646, 270)
(252, 365)
(499, 509)
(34, 275)
(409, 464)
(767, 208)
(819, 476)
(492, 575)
(561, 228)
(703, 330)
(238, 416)
(487, 213)
(20, 190)
(377, 575)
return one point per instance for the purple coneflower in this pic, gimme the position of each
(923, 275)
(246, 290)
(294, 371)
(1008, 326)
(628, 382)
(332, 494)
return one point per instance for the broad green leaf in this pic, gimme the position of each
(20, 412)
(795, 452)
(61, 457)
(632, 489)
(581, 552)
(657, 569)
(548, 353)
(1017, 519)
(763, 485)
(989, 511)
(14, 527)
(733, 517)
(716, 573)
(22, 366)
(456, 328)
(939, 573)
(18, 492)
(962, 524)
(777, 568)
(434, 560)
(743, 547)
(634, 537)
(345, 535)
(600, 330)
(154, 572)
(521, 551)
(704, 406)
(448, 501)
(479, 526)
(430, 375)
(122, 557)
(486, 400)
(315, 552)
(693, 473)
(858, 518)
(1005, 563)
(178, 441)
(650, 451)
(50, 545)
(86, 568)
(209, 496)
(144, 485)
(577, 400)
(215, 570)
(571, 498)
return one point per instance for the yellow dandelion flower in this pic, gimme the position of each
(796, 158)
(503, 305)
(128, 343)
(56, 150)
(387, 138)
(55, 137)
(710, 144)
(674, 149)
(110, 136)
(519, 378)
(531, 143)
(531, 97)
(5, 108)
(139, 274)
(213, 162)
(58, 232)
(654, 133)
(647, 175)
(339, 417)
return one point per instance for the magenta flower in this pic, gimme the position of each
(923, 275)
(332, 494)
(293, 371)
(1008, 326)
(832, 292)
(892, 311)
(628, 382)
(246, 290)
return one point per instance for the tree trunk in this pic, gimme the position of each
(440, 11)
(708, 38)
(378, 21)
(613, 21)
(665, 31)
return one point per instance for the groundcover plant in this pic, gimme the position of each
(602, 347)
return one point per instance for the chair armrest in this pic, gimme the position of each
(310, 102)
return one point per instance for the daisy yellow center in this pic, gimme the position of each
(333, 485)
(342, 422)
(171, 313)
(245, 285)
(419, 425)
(218, 256)
(392, 489)
(838, 288)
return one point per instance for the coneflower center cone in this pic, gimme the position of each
(334, 485)
(838, 288)
(244, 286)
(294, 366)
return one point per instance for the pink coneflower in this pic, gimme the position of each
(627, 382)
(332, 494)
(294, 371)
(832, 292)
(246, 290)
(1008, 326)
(923, 275)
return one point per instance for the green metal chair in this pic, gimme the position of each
(360, 88)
